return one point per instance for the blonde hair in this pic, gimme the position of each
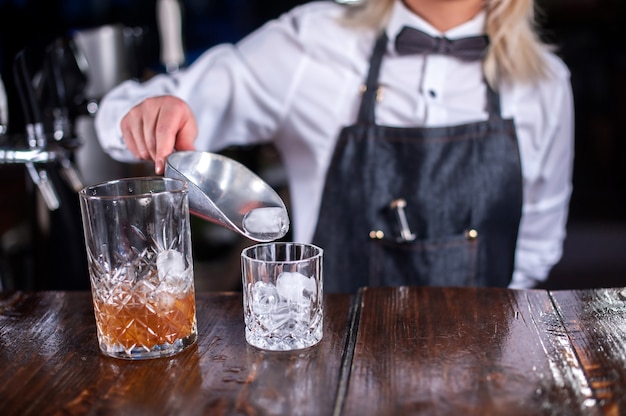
(515, 52)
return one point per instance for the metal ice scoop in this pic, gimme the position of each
(224, 191)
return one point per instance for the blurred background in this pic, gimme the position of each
(42, 248)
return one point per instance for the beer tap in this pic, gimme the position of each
(66, 96)
(4, 110)
(35, 136)
(56, 91)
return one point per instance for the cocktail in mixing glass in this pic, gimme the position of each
(138, 242)
(282, 295)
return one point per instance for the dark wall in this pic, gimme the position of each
(590, 38)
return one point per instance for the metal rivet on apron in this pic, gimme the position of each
(471, 234)
(377, 235)
(379, 92)
(405, 232)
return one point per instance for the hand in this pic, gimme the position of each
(156, 127)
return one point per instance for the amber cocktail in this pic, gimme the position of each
(148, 319)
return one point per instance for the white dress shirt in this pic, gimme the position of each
(296, 82)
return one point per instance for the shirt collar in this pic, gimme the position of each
(401, 16)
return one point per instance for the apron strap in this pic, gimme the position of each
(493, 103)
(366, 111)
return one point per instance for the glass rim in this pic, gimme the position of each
(88, 191)
(318, 251)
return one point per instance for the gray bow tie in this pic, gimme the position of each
(413, 41)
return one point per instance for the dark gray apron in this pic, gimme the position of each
(436, 206)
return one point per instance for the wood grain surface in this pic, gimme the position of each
(385, 351)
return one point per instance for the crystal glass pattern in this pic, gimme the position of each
(283, 295)
(138, 242)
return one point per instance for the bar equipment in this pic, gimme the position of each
(225, 192)
(114, 53)
(50, 82)
(283, 295)
(49, 99)
(169, 17)
(138, 243)
(4, 109)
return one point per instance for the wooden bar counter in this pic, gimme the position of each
(385, 351)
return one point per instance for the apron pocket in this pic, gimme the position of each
(450, 261)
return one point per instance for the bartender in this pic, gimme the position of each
(426, 142)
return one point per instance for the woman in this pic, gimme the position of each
(408, 166)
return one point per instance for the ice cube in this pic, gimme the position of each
(266, 222)
(295, 287)
(170, 263)
(174, 277)
(264, 297)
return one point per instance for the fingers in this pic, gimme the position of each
(157, 126)
(176, 129)
(133, 134)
